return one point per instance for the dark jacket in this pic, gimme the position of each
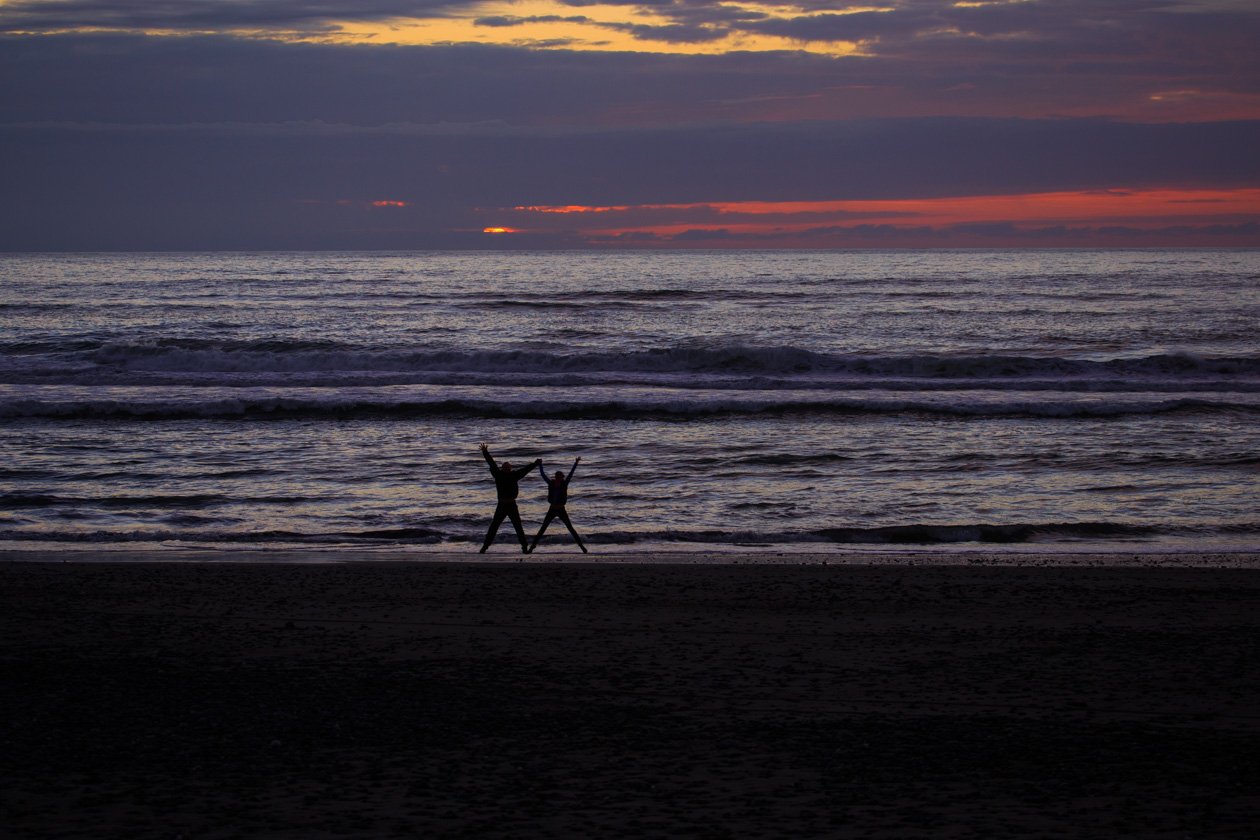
(557, 491)
(506, 482)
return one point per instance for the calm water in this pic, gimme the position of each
(1059, 400)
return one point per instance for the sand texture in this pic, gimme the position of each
(581, 701)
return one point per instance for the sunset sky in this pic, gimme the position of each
(277, 124)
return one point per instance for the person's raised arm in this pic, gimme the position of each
(526, 470)
(485, 451)
(573, 470)
(543, 472)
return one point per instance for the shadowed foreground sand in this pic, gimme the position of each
(574, 700)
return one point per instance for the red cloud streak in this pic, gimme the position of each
(1119, 216)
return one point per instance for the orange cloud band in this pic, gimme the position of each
(1137, 208)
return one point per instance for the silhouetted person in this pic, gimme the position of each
(557, 495)
(505, 482)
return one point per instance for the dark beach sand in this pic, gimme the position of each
(573, 700)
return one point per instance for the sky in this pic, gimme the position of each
(398, 124)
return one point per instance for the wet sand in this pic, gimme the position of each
(569, 699)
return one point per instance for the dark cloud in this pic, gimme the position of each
(674, 33)
(149, 79)
(1125, 36)
(1072, 45)
(201, 15)
(1062, 27)
(857, 26)
(697, 12)
(509, 20)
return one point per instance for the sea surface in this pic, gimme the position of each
(1100, 400)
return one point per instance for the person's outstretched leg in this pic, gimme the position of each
(499, 513)
(564, 517)
(520, 530)
(551, 512)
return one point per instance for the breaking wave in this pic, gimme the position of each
(322, 363)
(647, 404)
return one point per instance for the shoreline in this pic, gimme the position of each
(1110, 558)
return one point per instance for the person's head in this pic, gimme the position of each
(506, 467)
(559, 475)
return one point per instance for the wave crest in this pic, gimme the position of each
(264, 362)
(315, 404)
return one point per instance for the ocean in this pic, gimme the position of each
(1070, 401)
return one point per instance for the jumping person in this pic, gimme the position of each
(505, 483)
(557, 495)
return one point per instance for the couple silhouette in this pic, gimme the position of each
(506, 481)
